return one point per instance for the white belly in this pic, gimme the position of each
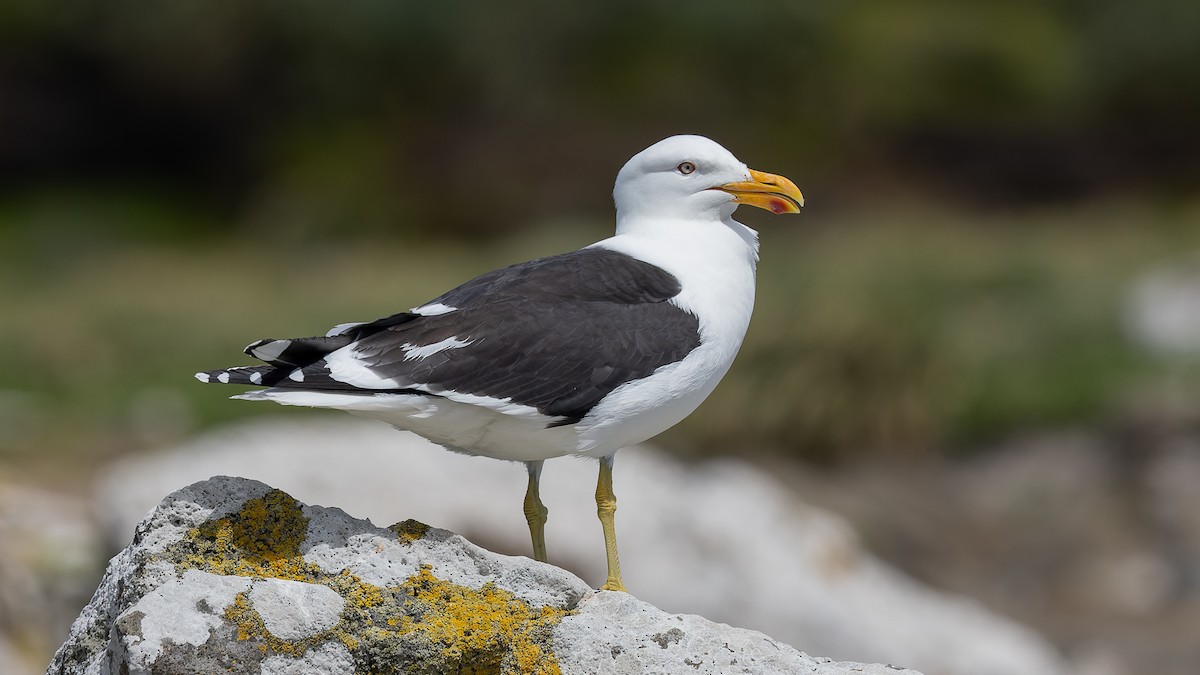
(632, 413)
(639, 410)
(503, 432)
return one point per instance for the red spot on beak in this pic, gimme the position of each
(778, 206)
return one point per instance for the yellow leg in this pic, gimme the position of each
(536, 511)
(606, 506)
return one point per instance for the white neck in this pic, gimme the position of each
(714, 261)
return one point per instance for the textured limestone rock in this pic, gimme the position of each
(764, 559)
(231, 575)
(616, 633)
(294, 610)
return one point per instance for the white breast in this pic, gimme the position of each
(715, 264)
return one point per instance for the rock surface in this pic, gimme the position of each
(231, 575)
(765, 559)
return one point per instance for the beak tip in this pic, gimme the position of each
(778, 206)
(766, 191)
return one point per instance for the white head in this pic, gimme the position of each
(694, 178)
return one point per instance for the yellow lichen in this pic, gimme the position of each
(484, 626)
(262, 539)
(409, 530)
(425, 624)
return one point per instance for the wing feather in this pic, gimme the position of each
(556, 334)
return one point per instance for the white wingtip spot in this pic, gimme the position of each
(256, 378)
(203, 377)
(223, 378)
(297, 375)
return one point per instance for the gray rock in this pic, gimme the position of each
(294, 610)
(331, 658)
(230, 575)
(763, 558)
(181, 612)
(616, 633)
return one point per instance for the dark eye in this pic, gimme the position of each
(685, 168)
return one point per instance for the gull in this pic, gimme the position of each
(578, 354)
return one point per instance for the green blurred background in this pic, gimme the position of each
(984, 179)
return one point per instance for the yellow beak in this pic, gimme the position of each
(766, 191)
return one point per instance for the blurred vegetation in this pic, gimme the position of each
(177, 179)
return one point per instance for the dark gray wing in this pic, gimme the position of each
(557, 334)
